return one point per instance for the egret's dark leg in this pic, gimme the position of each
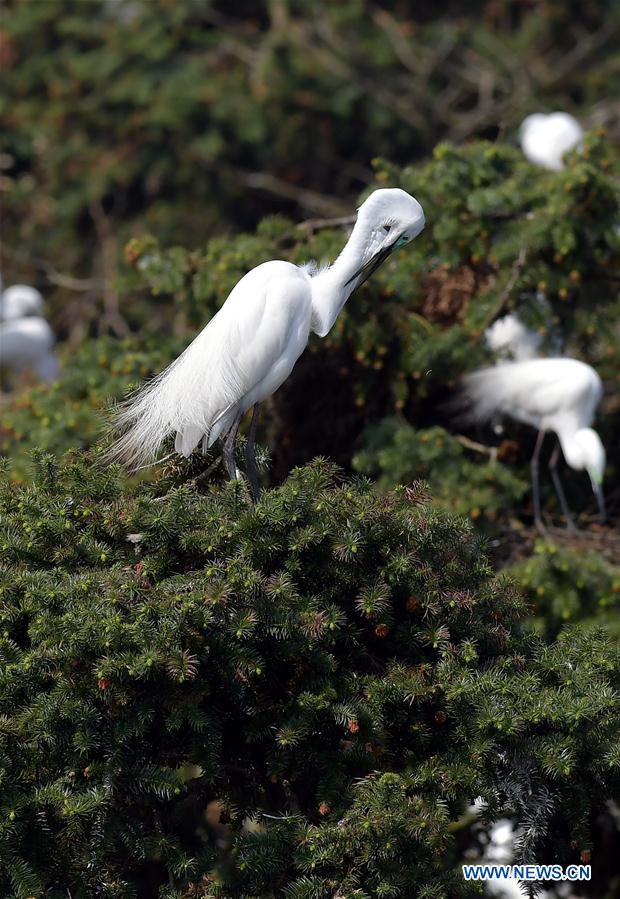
(557, 483)
(250, 455)
(600, 499)
(536, 481)
(228, 449)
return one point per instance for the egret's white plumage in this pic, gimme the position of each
(243, 355)
(26, 339)
(559, 395)
(19, 301)
(250, 346)
(26, 345)
(545, 139)
(509, 338)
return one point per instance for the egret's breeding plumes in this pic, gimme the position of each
(558, 395)
(546, 138)
(250, 346)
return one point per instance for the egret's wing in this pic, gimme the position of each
(231, 355)
(534, 391)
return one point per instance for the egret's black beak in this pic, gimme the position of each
(600, 500)
(370, 267)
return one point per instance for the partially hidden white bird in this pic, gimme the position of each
(545, 139)
(509, 338)
(553, 395)
(249, 348)
(26, 338)
(19, 301)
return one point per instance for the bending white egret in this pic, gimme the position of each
(546, 138)
(249, 348)
(559, 395)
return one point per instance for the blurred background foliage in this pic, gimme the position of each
(189, 118)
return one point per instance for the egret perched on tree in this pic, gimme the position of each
(250, 346)
(26, 339)
(546, 138)
(558, 395)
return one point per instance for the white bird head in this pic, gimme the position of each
(20, 301)
(546, 138)
(387, 220)
(587, 452)
(531, 122)
(509, 338)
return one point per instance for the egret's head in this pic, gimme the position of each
(531, 122)
(20, 301)
(388, 219)
(592, 453)
(546, 138)
(508, 338)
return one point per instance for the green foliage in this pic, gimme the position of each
(335, 666)
(68, 413)
(396, 453)
(566, 586)
(181, 118)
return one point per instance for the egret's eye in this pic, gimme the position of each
(403, 239)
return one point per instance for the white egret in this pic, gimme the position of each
(558, 395)
(26, 339)
(546, 138)
(19, 301)
(509, 338)
(26, 345)
(250, 346)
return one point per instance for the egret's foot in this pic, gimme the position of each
(540, 527)
(209, 470)
(231, 466)
(571, 527)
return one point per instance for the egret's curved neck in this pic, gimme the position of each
(571, 449)
(333, 287)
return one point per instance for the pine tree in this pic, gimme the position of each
(337, 670)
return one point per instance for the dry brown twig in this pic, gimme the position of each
(517, 268)
(490, 451)
(312, 225)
